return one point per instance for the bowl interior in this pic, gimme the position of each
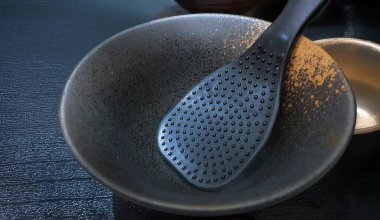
(116, 97)
(359, 61)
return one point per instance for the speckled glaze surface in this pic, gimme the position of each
(117, 95)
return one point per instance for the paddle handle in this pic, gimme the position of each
(288, 25)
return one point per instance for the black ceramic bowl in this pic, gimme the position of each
(117, 95)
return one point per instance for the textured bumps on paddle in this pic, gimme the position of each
(219, 126)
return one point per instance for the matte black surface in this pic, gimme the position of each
(219, 126)
(40, 43)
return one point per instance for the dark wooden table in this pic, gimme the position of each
(40, 43)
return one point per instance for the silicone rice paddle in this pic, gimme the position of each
(211, 135)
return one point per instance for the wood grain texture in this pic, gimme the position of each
(40, 43)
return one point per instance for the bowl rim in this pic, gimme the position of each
(191, 210)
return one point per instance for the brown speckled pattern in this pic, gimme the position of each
(311, 69)
(118, 94)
